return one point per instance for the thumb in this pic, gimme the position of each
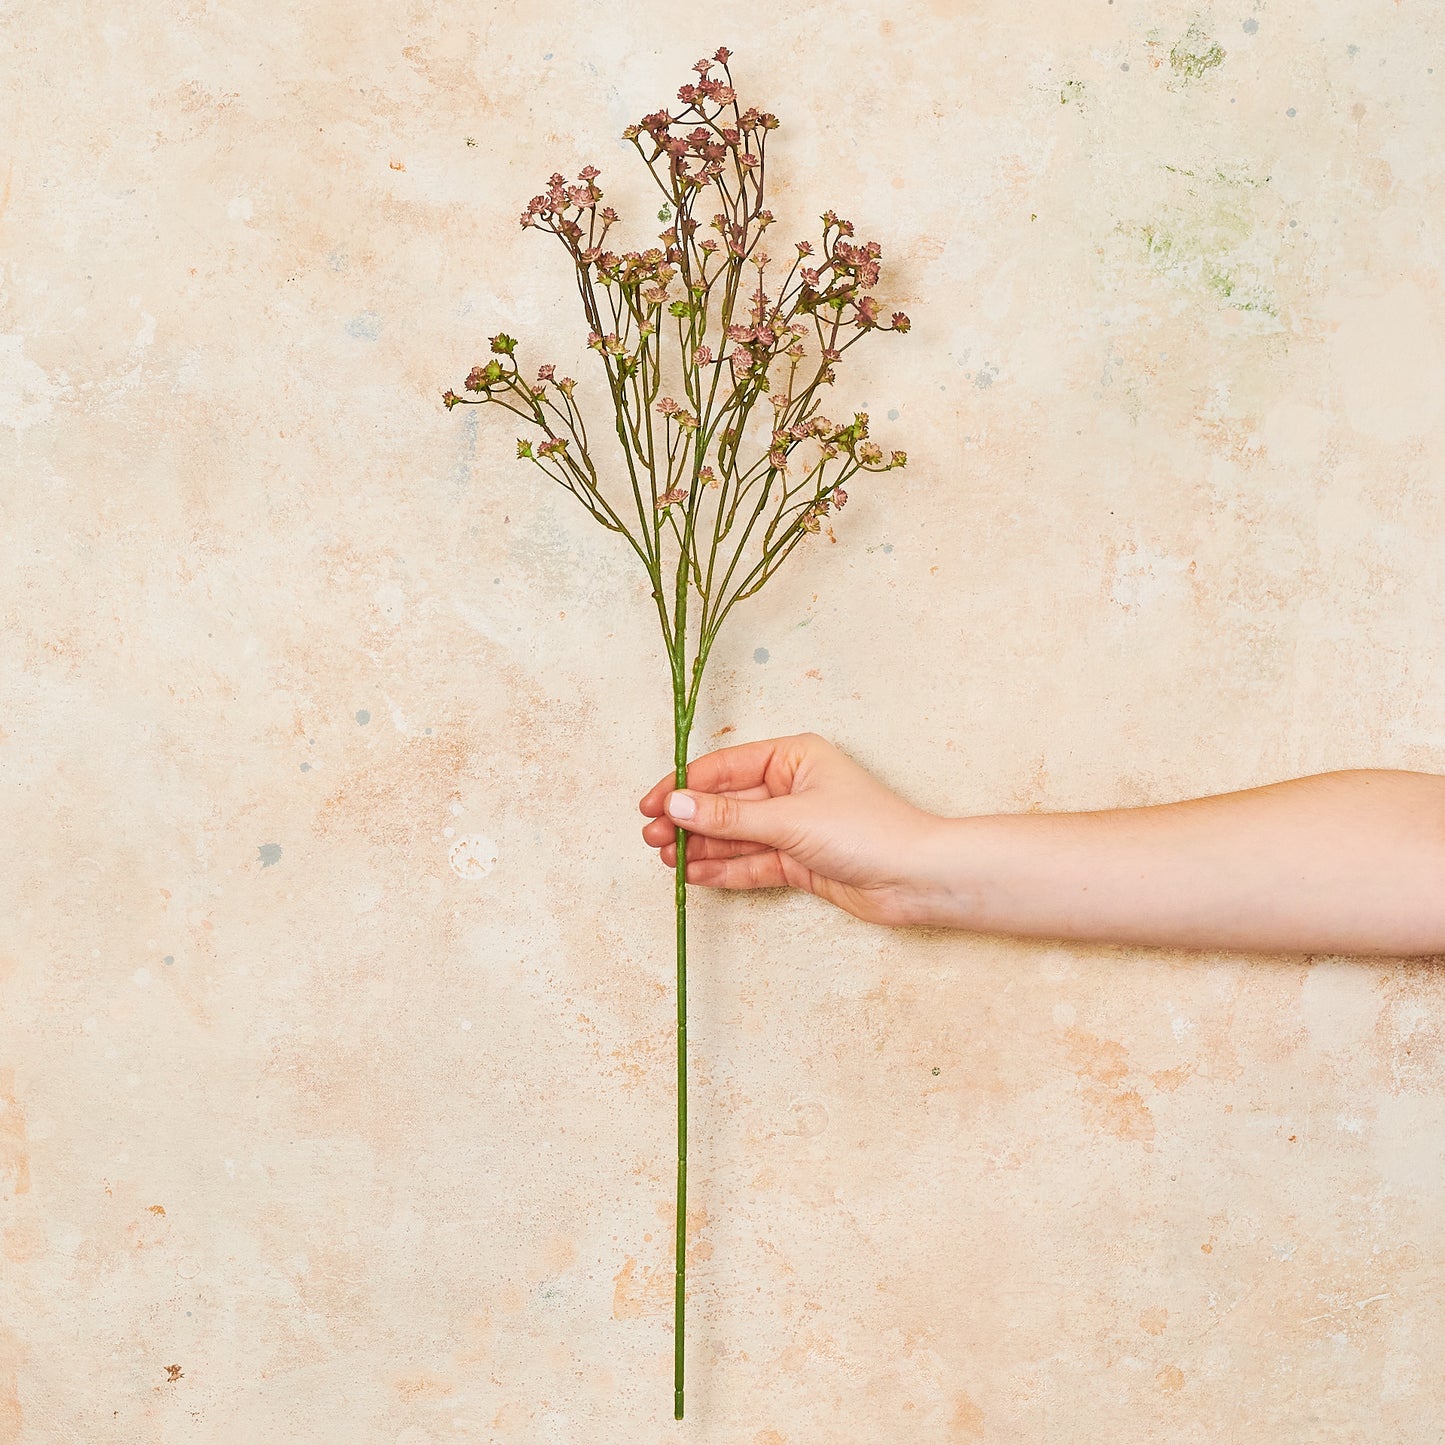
(760, 820)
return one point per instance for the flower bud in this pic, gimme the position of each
(503, 344)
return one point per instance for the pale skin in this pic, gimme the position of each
(1349, 862)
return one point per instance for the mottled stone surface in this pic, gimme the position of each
(336, 1050)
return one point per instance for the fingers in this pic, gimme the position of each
(663, 829)
(725, 815)
(734, 769)
(700, 848)
(763, 869)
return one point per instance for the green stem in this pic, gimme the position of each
(682, 727)
(684, 703)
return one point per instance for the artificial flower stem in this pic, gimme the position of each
(682, 709)
(683, 728)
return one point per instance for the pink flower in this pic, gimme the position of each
(722, 54)
(667, 406)
(702, 356)
(900, 321)
(867, 311)
(702, 66)
(673, 494)
(545, 373)
(840, 498)
(588, 173)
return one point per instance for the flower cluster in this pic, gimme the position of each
(765, 329)
(559, 208)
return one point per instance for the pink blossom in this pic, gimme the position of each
(722, 55)
(840, 498)
(588, 173)
(667, 406)
(900, 321)
(673, 494)
(545, 373)
(867, 311)
(702, 356)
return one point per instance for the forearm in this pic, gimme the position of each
(1345, 862)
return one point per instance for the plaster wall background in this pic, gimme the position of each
(305, 1136)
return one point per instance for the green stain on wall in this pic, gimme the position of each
(1194, 53)
(1213, 243)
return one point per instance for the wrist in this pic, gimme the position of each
(942, 889)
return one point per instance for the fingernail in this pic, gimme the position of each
(679, 805)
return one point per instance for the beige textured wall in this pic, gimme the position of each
(309, 1136)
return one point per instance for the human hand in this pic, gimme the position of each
(797, 812)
